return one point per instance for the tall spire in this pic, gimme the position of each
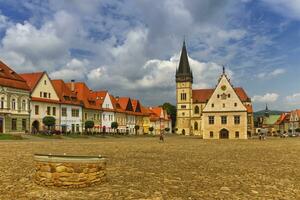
(184, 73)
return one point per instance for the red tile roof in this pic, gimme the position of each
(44, 100)
(284, 117)
(10, 78)
(203, 95)
(66, 96)
(249, 108)
(85, 95)
(32, 79)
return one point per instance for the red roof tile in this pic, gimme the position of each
(32, 79)
(10, 78)
(66, 96)
(44, 100)
(203, 95)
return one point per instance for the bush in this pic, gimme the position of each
(89, 124)
(167, 129)
(49, 121)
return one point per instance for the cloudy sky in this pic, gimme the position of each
(132, 47)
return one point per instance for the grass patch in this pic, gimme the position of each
(76, 136)
(11, 137)
(49, 136)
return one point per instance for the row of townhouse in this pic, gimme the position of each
(286, 122)
(25, 99)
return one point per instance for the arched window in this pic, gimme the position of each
(23, 104)
(196, 110)
(196, 126)
(13, 104)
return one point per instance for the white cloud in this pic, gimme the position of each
(272, 74)
(74, 70)
(293, 99)
(288, 8)
(268, 97)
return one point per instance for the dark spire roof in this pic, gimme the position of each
(184, 73)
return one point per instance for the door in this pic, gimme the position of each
(1, 125)
(224, 134)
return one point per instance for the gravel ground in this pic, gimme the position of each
(180, 168)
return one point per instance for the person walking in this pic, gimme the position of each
(161, 136)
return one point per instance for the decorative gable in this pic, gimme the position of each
(224, 98)
(44, 89)
(107, 102)
(129, 106)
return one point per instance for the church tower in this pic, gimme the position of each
(184, 80)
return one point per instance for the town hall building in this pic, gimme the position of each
(223, 112)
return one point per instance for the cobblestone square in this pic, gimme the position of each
(180, 168)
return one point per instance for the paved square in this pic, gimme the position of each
(180, 168)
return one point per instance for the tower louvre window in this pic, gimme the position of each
(183, 96)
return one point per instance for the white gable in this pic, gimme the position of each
(107, 102)
(224, 98)
(45, 89)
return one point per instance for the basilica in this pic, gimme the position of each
(223, 112)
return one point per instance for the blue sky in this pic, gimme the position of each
(132, 47)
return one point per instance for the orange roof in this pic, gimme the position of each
(249, 108)
(10, 78)
(203, 95)
(155, 114)
(66, 96)
(32, 79)
(85, 95)
(284, 117)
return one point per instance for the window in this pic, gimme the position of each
(75, 112)
(77, 127)
(23, 104)
(45, 82)
(103, 117)
(218, 96)
(64, 112)
(237, 134)
(196, 110)
(183, 114)
(224, 119)
(212, 105)
(249, 120)
(228, 95)
(13, 104)
(237, 120)
(73, 128)
(223, 105)
(183, 96)
(98, 115)
(36, 109)
(54, 111)
(94, 116)
(235, 104)
(24, 127)
(183, 106)
(14, 124)
(85, 115)
(48, 110)
(41, 94)
(45, 95)
(196, 126)
(211, 119)
(2, 102)
(211, 134)
(49, 95)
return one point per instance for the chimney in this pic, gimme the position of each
(72, 85)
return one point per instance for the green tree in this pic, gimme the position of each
(89, 124)
(171, 110)
(298, 130)
(49, 121)
(151, 129)
(136, 128)
(114, 125)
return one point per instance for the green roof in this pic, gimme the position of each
(271, 119)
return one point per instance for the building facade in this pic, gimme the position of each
(44, 100)
(14, 101)
(221, 112)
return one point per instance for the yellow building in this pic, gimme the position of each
(221, 112)
(44, 100)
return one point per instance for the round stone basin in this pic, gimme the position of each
(69, 171)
